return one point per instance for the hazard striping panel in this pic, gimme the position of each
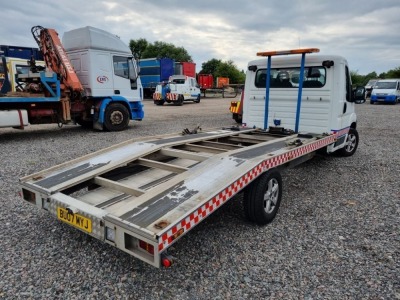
(172, 96)
(184, 225)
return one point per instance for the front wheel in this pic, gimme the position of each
(262, 198)
(197, 99)
(116, 117)
(237, 118)
(351, 143)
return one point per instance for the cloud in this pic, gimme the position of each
(365, 32)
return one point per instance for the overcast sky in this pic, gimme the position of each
(366, 32)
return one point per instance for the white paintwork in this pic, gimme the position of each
(11, 118)
(321, 108)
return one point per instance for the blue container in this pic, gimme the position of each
(21, 52)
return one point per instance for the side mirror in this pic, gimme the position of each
(358, 95)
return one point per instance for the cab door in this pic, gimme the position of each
(125, 78)
(345, 109)
(194, 89)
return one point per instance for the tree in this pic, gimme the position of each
(229, 69)
(357, 79)
(137, 47)
(209, 67)
(162, 49)
(395, 73)
(218, 68)
(141, 48)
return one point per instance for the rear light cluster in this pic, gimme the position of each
(146, 246)
(143, 249)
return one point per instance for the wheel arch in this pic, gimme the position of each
(107, 101)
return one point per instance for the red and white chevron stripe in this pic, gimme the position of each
(199, 214)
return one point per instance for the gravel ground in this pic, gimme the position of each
(336, 235)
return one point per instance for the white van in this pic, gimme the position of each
(386, 90)
(178, 89)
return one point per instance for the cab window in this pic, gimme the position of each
(121, 66)
(314, 77)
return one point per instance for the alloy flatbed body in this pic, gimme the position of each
(149, 193)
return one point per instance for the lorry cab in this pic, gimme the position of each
(386, 90)
(104, 68)
(307, 94)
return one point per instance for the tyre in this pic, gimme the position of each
(180, 100)
(159, 102)
(116, 117)
(197, 99)
(371, 102)
(88, 124)
(262, 198)
(351, 143)
(237, 118)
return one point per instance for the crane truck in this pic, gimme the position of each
(90, 79)
(142, 196)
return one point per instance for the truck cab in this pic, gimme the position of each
(308, 94)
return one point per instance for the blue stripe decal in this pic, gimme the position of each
(345, 131)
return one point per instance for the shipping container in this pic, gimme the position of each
(21, 52)
(153, 71)
(206, 81)
(222, 82)
(185, 68)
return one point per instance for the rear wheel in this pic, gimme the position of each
(262, 198)
(180, 100)
(159, 102)
(116, 117)
(351, 143)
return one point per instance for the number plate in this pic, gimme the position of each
(76, 220)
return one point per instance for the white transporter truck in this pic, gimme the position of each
(142, 196)
(179, 88)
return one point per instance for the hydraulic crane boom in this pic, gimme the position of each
(56, 58)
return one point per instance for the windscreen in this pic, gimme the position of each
(385, 85)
